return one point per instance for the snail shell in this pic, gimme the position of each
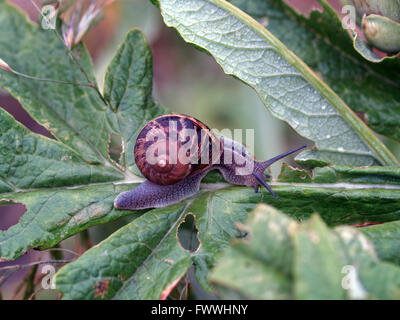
(172, 147)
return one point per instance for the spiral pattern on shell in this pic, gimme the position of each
(174, 146)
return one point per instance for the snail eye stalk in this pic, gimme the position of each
(265, 185)
(267, 163)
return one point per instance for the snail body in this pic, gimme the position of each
(175, 152)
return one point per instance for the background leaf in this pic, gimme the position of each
(77, 115)
(284, 83)
(128, 88)
(261, 267)
(68, 185)
(321, 42)
(385, 238)
(319, 262)
(65, 110)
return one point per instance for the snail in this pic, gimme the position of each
(174, 152)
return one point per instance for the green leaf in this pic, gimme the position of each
(152, 253)
(318, 263)
(374, 279)
(30, 161)
(335, 174)
(49, 178)
(216, 215)
(364, 175)
(382, 281)
(128, 88)
(261, 267)
(327, 48)
(53, 215)
(4, 187)
(290, 90)
(345, 194)
(74, 114)
(302, 261)
(137, 262)
(386, 239)
(69, 184)
(77, 115)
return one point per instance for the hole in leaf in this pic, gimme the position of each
(115, 149)
(188, 234)
(10, 213)
(101, 289)
(167, 291)
(13, 107)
